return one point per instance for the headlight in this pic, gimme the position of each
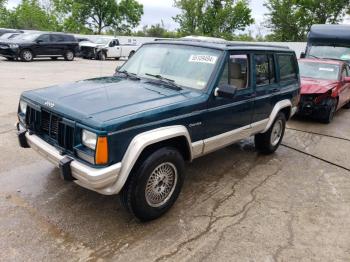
(23, 107)
(89, 139)
(13, 46)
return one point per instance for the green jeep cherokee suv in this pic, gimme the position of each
(172, 102)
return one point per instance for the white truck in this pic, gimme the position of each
(104, 48)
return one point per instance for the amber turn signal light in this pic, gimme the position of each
(101, 157)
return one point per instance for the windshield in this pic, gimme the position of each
(332, 52)
(27, 37)
(319, 70)
(187, 66)
(103, 41)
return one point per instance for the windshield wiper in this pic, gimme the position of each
(129, 75)
(315, 56)
(169, 82)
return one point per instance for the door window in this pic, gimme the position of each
(265, 70)
(44, 38)
(287, 67)
(236, 71)
(57, 38)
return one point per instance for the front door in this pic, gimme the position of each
(230, 118)
(43, 44)
(114, 49)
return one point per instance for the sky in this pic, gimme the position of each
(157, 10)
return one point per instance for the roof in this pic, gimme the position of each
(323, 61)
(222, 44)
(326, 33)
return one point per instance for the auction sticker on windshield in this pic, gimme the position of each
(208, 59)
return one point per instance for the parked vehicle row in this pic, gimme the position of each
(16, 45)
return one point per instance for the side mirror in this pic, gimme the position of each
(302, 55)
(111, 44)
(226, 91)
(39, 41)
(347, 79)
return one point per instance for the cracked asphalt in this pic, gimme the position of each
(236, 205)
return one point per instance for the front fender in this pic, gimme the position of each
(136, 147)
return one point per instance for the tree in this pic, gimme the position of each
(98, 15)
(291, 20)
(29, 14)
(217, 18)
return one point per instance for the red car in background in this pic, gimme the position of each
(325, 88)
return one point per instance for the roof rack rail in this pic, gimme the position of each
(256, 45)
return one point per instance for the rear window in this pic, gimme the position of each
(288, 67)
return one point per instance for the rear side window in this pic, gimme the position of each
(57, 38)
(265, 69)
(287, 67)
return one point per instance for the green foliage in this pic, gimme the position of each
(291, 20)
(96, 15)
(216, 18)
(29, 14)
(157, 30)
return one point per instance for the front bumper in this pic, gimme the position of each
(311, 109)
(100, 180)
(8, 52)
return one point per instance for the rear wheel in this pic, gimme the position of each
(69, 55)
(331, 109)
(26, 56)
(154, 186)
(267, 143)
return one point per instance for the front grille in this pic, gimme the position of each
(51, 127)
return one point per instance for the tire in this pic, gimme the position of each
(347, 105)
(54, 58)
(131, 54)
(117, 58)
(102, 56)
(267, 143)
(162, 172)
(332, 108)
(69, 55)
(26, 55)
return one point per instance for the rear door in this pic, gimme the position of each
(265, 84)
(58, 44)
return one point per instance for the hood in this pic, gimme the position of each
(89, 44)
(316, 86)
(99, 100)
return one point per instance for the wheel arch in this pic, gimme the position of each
(284, 106)
(145, 143)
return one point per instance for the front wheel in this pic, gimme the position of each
(155, 185)
(69, 55)
(267, 143)
(26, 56)
(330, 112)
(102, 56)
